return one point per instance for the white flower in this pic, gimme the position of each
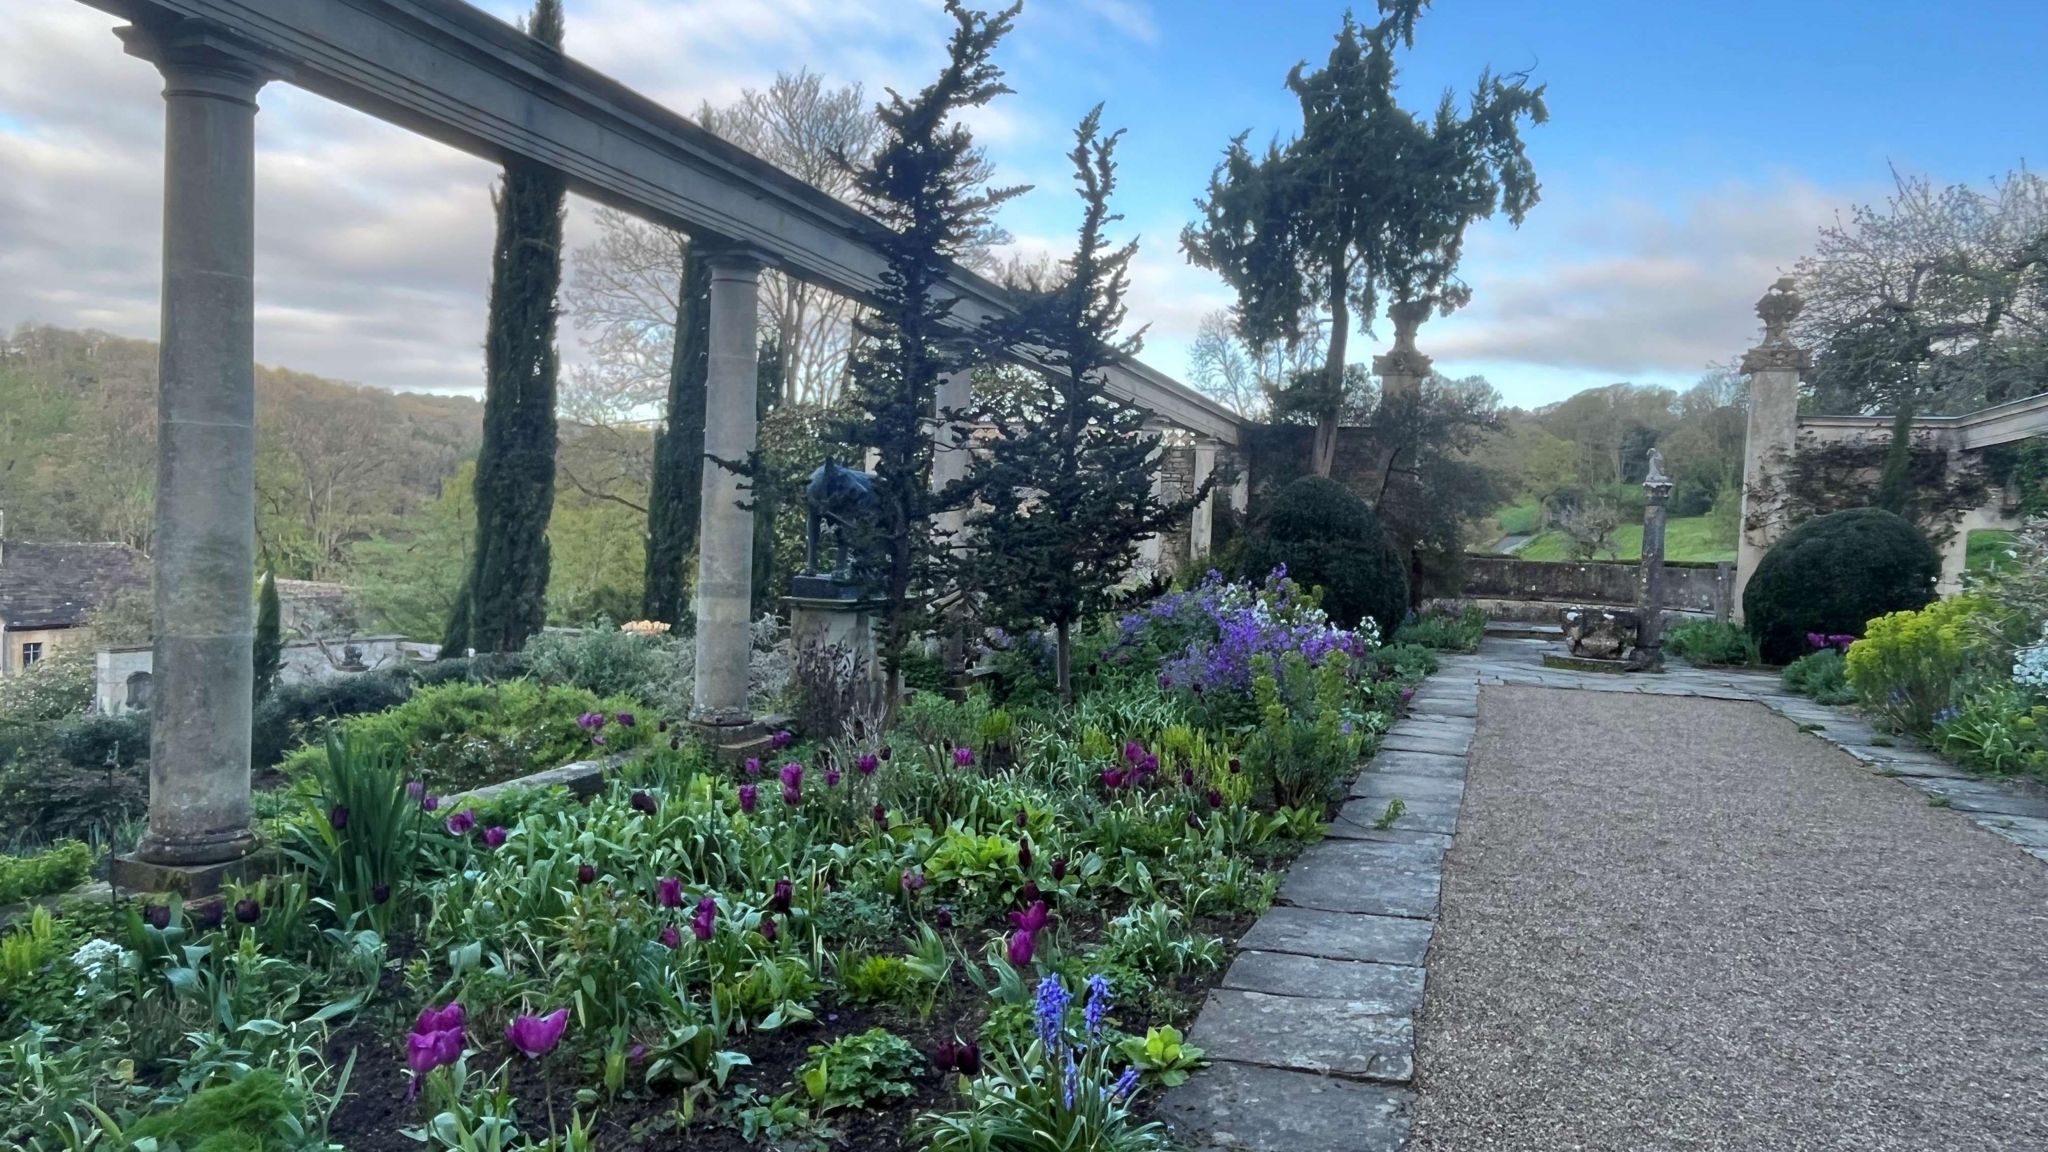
(95, 956)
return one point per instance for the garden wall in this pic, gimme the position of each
(1523, 589)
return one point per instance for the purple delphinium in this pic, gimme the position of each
(1050, 1012)
(536, 1036)
(1125, 1085)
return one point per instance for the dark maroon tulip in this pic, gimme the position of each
(661, 726)
(1028, 894)
(881, 818)
(157, 916)
(784, 891)
(586, 873)
(1236, 766)
(380, 893)
(209, 916)
(1187, 777)
(1194, 821)
(1022, 818)
(642, 802)
(1059, 868)
(768, 929)
(337, 817)
(943, 917)
(248, 911)
(970, 1059)
(1215, 798)
(1024, 854)
(675, 743)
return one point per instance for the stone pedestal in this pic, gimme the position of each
(725, 534)
(205, 551)
(1649, 654)
(833, 638)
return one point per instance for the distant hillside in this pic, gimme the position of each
(336, 462)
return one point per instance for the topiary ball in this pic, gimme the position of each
(1329, 538)
(1834, 574)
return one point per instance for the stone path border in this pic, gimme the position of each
(1312, 1031)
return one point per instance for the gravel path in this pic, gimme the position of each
(1683, 924)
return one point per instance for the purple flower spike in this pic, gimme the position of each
(536, 1036)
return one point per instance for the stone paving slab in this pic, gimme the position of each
(1434, 724)
(1408, 786)
(2024, 831)
(1247, 1108)
(1419, 764)
(1443, 745)
(1336, 1037)
(1410, 894)
(1359, 816)
(1339, 936)
(1983, 796)
(1390, 989)
(1466, 707)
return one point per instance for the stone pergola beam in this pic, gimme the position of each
(449, 71)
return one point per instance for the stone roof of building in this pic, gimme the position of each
(59, 585)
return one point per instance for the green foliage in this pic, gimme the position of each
(1065, 491)
(1155, 940)
(1301, 752)
(1444, 629)
(1162, 1054)
(58, 685)
(59, 868)
(356, 836)
(1909, 665)
(1822, 675)
(504, 597)
(1405, 662)
(674, 500)
(1834, 574)
(1327, 538)
(1999, 728)
(1711, 642)
(268, 652)
(47, 795)
(1687, 539)
(861, 1069)
(295, 714)
(255, 1113)
(608, 661)
(459, 735)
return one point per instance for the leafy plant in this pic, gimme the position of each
(861, 1069)
(55, 869)
(1446, 629)
(1835, 574)
(1163, 1054)
(1712, 642)
(1908, 664)
(1822, 675)
(357, 835)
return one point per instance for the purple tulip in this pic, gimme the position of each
(956, 1056)
(494, 837)
(536, 1036)
(586, 873)
(637, 1054)
(248, 911)
(591, 721)
(1165, 681)
(883, 753)
(209, 916)
(337, 817)
(753, 765)
(460, 823)
(792, 795)
(379, 893)
(881, 815)
(1133, 751)
(1215, 798)
(417, 789)
(642, 802)
(768, 929)
(1021, 947)
(668, 892)
(749, 797)
(1059, 868)
(599, 740)
(913, 880)
(703, 923)
(675, 743)
(661, 726)
(782, 739)
(669, 937)
(426, 1051)
(867, 764)
(1024, 854)
(1187, 777)
(1236, 765)
(429, 802)
(1031, 919)
(157, 916)
(1022, 818)
(792, 773)
(784, 892)
(1112, 778)
(441, 1019)
(1194, 821)
(831, 777)
(625, 719)
(1028, 894)
(943, 916)
(963, 756)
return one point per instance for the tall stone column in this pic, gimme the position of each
(725, 532)
(205, 549)
(1201, 530)
(1649, 652)
(1773, 367)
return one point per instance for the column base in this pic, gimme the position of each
(190, 881)
(734, 741)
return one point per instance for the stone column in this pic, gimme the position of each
(1403, 368)
(725, 532)
(950, 452)
(1773, 368)
(1649, 653)
(205, 550)
(1202, 529)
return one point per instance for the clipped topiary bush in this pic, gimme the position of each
(1328, 538)
(1835, 574)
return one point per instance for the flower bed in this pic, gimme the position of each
(981, 923)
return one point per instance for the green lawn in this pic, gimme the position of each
(1687, 538)
(1520, 519)
(1986, 547)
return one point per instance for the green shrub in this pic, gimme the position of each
(58, 869)
(46, 797)
(610, 662)
(1996, 727)
(59, 685)
(1445, 629)
(483, 668)
(256, 1113)
(461, 735)
(860, 1069)
(1822, 675)
(1835, 574)
(1711, 642)
(296, 714)
(1908, 664)
(1404, 661)
(1328, 538)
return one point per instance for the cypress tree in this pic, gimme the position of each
(268, 656)
(1065, 489)
(504, 597)
(675, 498)
(768, 489)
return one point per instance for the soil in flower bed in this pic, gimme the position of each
(376, 1110)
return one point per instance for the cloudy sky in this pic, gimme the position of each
(1694, 149)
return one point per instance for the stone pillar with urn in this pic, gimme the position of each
(1773, 368)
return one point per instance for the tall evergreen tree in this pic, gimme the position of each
(1066, 488)
(921, 184)
(504, 598)
(1370, 201)
(268, 656)
(675, 497)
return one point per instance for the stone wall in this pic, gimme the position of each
(125, 674)
(1693, 588)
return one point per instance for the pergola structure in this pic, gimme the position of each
(452, 72)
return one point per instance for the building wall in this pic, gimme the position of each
(52, 639)
(300, 662)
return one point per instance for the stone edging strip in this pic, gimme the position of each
(1312, 1031)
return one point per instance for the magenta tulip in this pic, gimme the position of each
(867, 764)
(1031, 919)
(963, 756)
(536, 1036)
(460, 823)
(494, 837)
(1021, 946)
(669, 937)
(749, 797)
(668, 892)
(704, 922)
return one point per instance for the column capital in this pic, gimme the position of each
(199, 59)
(733, 261)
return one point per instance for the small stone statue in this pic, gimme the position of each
(1656, 473)
(839, 497)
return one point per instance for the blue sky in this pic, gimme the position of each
(1693, 150)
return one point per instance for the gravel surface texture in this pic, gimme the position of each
(1677, 923)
